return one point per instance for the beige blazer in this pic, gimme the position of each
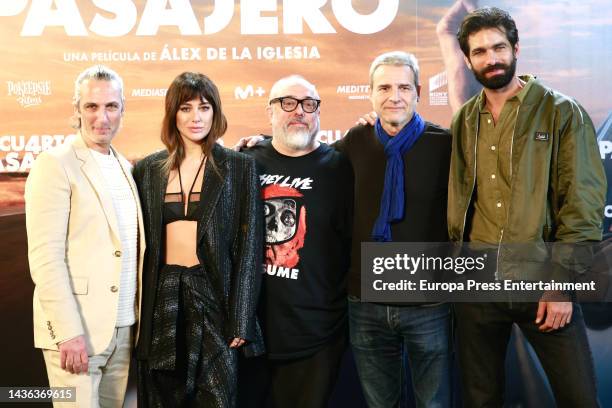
(74, 249)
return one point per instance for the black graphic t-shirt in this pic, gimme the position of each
(308, 203)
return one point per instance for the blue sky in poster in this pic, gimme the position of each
(565, 43)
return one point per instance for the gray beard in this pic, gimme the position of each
(298, 140)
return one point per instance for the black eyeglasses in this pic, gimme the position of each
(289, 104)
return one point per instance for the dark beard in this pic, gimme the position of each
(498, 81)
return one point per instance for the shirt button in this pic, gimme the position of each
(489, 121)
(117, 254)
(498, 204)
(493, 176)
(114, 289)
(492, 147)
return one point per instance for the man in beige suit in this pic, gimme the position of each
(85, 249)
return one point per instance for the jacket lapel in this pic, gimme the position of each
(212, 188)
(92, 173)
(158, 183)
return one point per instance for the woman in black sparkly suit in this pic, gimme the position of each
(202, 268)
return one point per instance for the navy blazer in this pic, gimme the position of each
(230, 241)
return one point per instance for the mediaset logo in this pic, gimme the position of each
(28, 93)
(248, 91)
(149, 92)
(358, 91)
(437, 97)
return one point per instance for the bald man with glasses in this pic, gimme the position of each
(307, 188)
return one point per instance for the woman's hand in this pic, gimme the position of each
(236, 342)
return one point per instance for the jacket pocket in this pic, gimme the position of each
(79, 285)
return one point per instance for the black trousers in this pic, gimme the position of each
(483, 331)
(306, 382)
(190, 363)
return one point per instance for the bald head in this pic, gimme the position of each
(279, 88)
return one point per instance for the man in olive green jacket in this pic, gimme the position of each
(525, 169)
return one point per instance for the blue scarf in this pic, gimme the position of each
(392, 200)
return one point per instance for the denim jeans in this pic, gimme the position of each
(382, 336)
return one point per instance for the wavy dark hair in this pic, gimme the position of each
(486, 17)
(186, 87)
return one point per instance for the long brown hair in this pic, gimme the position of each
(186, 87)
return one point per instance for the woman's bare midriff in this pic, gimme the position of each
(181, 238)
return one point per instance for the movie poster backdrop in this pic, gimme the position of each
(244, 46)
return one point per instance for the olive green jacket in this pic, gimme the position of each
(558, 184)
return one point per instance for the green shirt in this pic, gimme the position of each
(494, 167)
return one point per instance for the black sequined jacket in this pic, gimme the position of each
(230, 241)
